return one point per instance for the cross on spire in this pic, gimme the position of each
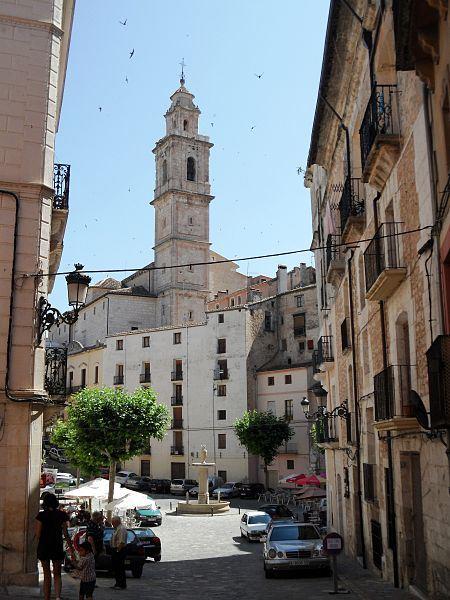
(182, 64)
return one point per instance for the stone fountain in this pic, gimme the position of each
(203, 505)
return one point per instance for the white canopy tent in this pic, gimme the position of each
(131, 500)
(97, 488)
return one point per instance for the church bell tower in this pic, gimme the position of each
(181, 202)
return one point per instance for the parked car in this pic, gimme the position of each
(160, 486)
(277, 511)
(147, 516)
(252, 490)
(134, 558)
(254, 525)
(181, 486)
(123, 476)
(294, 546)
(213, 483)
(150, 541)
(231, 489)
(137, 482)
(57, 455)
(104, 472)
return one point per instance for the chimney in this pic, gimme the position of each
(281, 279)
(304, 275)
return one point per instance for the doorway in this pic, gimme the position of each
(177, 470)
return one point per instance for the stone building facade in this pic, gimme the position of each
(373, 198)
(34, 44)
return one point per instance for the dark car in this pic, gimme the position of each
(148, 516)
(252, 490)
(150, 541)
(136, 482)
(160, 486)
(135, 552)
(277, 511)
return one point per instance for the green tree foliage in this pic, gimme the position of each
(106, 426)
(317, 434)
(262, 433)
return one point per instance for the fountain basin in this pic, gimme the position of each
(194, 508)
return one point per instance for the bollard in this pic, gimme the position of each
(212, 511)
(239, 507)
(171, 506)
(176, 510)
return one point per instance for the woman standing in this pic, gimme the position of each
(51, 526)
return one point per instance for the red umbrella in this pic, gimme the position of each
(314, 480)
(297, 479)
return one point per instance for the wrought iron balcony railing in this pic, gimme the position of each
(382, 253)
(326, 430)
(118, 379)
(176, 401)
(438, 359)
(145, 378)
(177, 424)
(61, 181)
(177, 450)
(55, 371)
(325, 349)
(380, 119)
(220, 374)
(352, 201)
(333, 251)
(392, 388)
(176, 376)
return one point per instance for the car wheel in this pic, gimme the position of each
(157, 558)
(136, 571)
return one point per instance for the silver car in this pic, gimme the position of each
(293, 546)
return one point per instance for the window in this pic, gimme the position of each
(288, 379)
(177, 337)
(299, 300)
(221, 415)
(369, 484)
(119, 344)
(220, 318)
(185, 125)
(290, 464)
(221, 346)
(345, 338)
(232, 301)
(190, 169)
(190, 315)
(191, 221)
(134, 328)
(94, 310)
(268, 321)
(299, 324)
(221, 441)
(83, 377)
(222, 390)
(288, 410)
(239, 300)
(272, 407)
(283, 345)
(119, 370)
(271, 381)
(222, 475)
(146, 342)
(310, 344)
(145, 468)
(70, 378)
(191, 268)
(301, 347)
(96, 374)
(164, 172)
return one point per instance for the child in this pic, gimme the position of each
(85, 570)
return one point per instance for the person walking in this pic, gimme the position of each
(85, 570)
(94, 533)
(50, 527)
(118, 547)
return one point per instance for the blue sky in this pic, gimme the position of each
(260, 203)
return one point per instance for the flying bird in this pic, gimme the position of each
(123, 22)
(132, 53)
(100, 109)
(252, 128)
(212, 124)
(259, 76)
(126, 79)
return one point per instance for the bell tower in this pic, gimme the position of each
(181, 202)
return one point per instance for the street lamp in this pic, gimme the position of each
(77, 288)
(340, 411)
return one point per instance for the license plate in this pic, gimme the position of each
(301, 562)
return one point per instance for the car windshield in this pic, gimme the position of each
(177, 482)
(253, 520)
(226, 486)
(144, 534)
(294, 532)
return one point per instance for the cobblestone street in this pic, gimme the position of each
(205, 556)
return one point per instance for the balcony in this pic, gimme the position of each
(176, 401)
(61, 180)
(289, 448)
(325, 350)
(176, 424)
(220, 374)
(177, 375)
(327, 435)
(145, 378)
(393, 407)
(335, 260)
(118, 379)
(55, 372)
(383, 266)
(177, 450)
(352, 208)
(438, 359)
(380, 135)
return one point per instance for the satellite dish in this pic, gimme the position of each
(420, 411)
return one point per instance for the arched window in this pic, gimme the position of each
(164, 171)
(185, 125)
(190, 170)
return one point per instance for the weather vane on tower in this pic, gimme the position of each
(183, 64)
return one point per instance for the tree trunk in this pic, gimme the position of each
(112, 477)
(78, 478)
(266, 475)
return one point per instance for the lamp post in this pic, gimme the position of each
(340, 411)
(77, 288)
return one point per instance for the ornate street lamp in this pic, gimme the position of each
(340, 411)
(77, 288)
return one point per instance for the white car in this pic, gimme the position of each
(254, 524)
(122, 476)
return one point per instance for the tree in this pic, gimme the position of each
(262, 433)
(108, 426)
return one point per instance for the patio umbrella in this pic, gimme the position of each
(97, 488)
(132, 500)
(297, 479)
(312, 493)
(314, 480)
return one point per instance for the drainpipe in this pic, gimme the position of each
(356, 397)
